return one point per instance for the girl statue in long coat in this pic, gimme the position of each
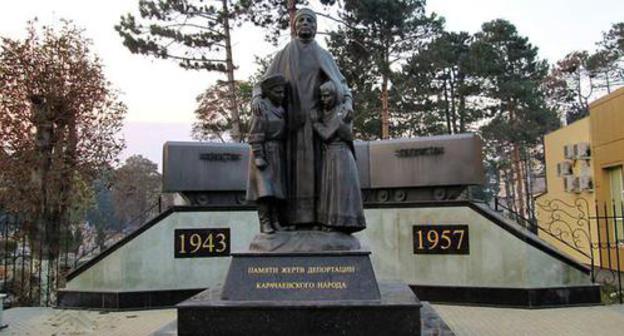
(340, 198)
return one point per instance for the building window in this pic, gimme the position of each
(616, 192)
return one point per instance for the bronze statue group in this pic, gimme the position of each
(302, 172)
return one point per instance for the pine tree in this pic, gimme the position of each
(196, 34)
(518, 114)
(277, 16)
(366, 93)
(375, 36)
(439, 87)
(582, 75)
(607, 63)
(570, 85)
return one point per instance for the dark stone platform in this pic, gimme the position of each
(304, 241)
(323, 276)
(565, 296)
(397, 313)
(123, 300)
(308, 294)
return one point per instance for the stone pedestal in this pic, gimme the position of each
(396, 313)
(304, 241)
(328, 293)
(327, 276)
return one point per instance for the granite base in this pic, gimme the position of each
(321, 276)
(397, 314)
(304, 241)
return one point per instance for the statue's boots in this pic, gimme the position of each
(325, 228)
(276, 218)
(264, 216)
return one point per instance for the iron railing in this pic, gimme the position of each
(596, 239)
(609, 221)
(576, 237)
(136, 222)
(27, 275)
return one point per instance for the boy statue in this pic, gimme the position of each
(267, 174)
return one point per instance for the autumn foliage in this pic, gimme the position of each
(59, 120)
(214, 121)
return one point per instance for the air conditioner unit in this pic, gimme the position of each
(571, 184)
(564, 168)
(568, 152)
(586, 183)
(582, 150)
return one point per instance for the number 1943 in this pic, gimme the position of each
(441, 239)
(191, 243)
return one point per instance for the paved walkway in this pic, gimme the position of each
(585, 321)
(464, 321)
(59, 322)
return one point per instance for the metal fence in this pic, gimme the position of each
(24, 273)
(609, 263)
(28, 277)
(568, 225)
(593, 234)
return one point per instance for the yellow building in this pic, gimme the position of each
(564, 211)
(584, 179)
(607, 131)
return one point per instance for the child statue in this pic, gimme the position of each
(340, 199)
(266, 183)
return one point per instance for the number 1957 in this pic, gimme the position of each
(441, 239)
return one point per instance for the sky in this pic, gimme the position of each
(161, 96)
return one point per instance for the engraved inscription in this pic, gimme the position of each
(302, 285)
(301, 270)
(262, 270)
(441, 239)
(293, 278)
(331, 269)
(193, 243)
(220, 156)
(414, 152)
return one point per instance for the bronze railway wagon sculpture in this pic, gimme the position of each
(394, 171)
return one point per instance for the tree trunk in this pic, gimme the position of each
(462, 114)
(528, 188)
(292, 11)
(57, 203)
(385, 109)
(517, 167)
(385, 74)
(229, 64)
(461, 111)
(449, 127)
(44, 145)
(582, 101)
(515, 162)
(67, 179)
(452, 96)
(510, 192)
